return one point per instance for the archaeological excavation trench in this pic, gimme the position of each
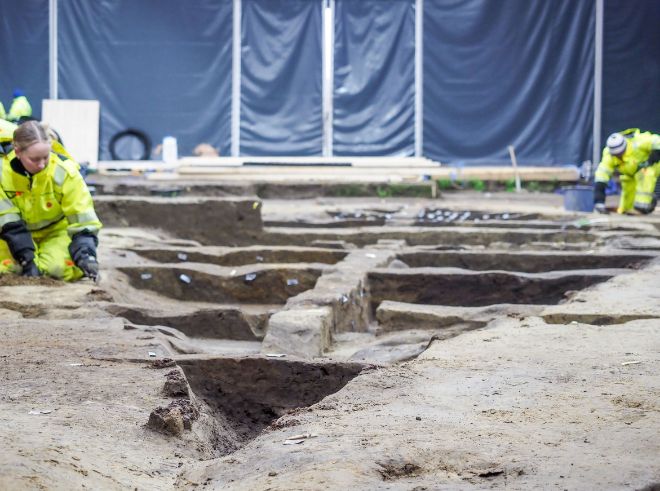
(266, 316)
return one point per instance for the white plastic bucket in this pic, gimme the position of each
(170, 151)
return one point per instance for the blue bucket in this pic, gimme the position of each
(579, 198)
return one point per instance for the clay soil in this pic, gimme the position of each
(568, 398)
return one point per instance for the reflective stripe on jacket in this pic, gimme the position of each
(58, 192)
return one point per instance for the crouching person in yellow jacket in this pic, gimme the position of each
(20, 108)
(47, 220)
(636, 156)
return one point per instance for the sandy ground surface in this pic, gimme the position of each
(520, 404)
(511, 408)
(74, 399)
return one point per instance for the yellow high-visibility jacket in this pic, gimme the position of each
(639, 148)
(20, 107)
(6, 130)
(45, 199)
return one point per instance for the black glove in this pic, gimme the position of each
(654, 157)
(83, 252)
(20, 243)
(89, 266)
(599, 192)
(30, 269)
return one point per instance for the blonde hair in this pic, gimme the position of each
(29, 133)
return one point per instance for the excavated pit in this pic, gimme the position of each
(473, 289)
(522, 261)
(227, 221)
(242, 257)
(245, 323)
(250, 393)
(263, 285)
(434, 236)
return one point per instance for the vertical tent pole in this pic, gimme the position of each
(236, 81)
(419, 77)
(52, 49)
(328, 73)
(598, 82)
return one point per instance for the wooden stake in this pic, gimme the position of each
(514, 163)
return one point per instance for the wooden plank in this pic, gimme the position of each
(340, 174)
(467, 173)
(77, 122)
(306, 178)
(505, 173)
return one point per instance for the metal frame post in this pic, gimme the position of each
(236, 81)
(52, 49)
(598, 82)
(328, 56)
(419, 78)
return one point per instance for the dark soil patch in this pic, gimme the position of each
(250, 393)
(390, 471)
(15, 280)
(174, 418)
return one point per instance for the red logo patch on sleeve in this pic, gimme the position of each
(49, 204)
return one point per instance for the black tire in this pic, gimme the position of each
(138, 140)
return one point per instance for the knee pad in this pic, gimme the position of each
(646, 209)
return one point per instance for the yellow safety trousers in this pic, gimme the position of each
(637, 191)
(51, 254)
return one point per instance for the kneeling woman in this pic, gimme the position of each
(47, 220)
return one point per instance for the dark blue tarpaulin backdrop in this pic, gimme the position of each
(631, 66)
(374, 86)
(281, 88)
(162, 67)
(496, 72)
(24, 51)
(508, 72)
